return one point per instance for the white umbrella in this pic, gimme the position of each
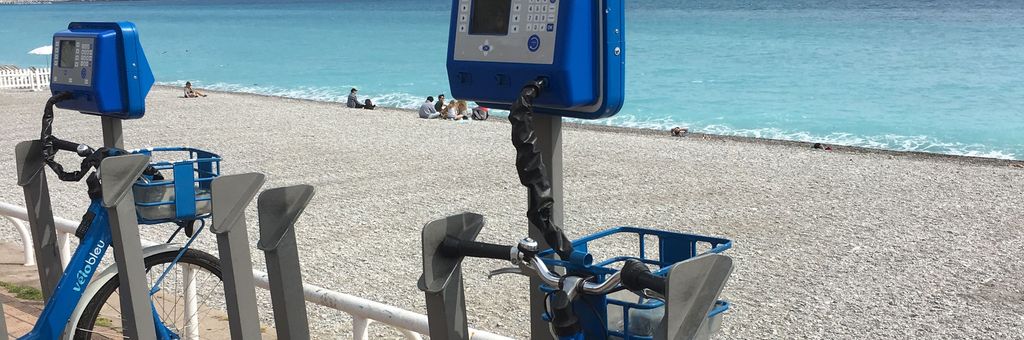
(42, 50)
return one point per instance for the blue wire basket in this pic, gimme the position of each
(623, 314)
(184, 192)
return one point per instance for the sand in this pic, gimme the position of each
(845, 244)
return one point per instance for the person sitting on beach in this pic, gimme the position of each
(427, 110)
(457, 110)
(439, 106)
(353, 101)
(679, 131)
(192, 93)
(367, 104)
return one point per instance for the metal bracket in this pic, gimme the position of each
(279, 209)
(235, 194)
(119, 174)
(30, 160)
(230, 195)
(693, 288)
(442, 276)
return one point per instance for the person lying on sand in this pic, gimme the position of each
(192, 93)
(679, 131)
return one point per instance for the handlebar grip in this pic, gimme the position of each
(455, 247)
(636, 276)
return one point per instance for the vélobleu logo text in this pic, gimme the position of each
(90, 265)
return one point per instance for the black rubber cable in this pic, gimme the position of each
(532, 172)
(46, 137)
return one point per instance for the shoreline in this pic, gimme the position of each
(964, 159)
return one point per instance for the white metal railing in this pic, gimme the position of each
(34, 79)
(362, 311)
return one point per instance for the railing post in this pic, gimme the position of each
(230, 196)
(360, 328)
(279, 208)
(26, 241)
(32, 179)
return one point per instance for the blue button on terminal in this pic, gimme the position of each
(534, 43)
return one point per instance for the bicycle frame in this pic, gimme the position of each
(78, 274)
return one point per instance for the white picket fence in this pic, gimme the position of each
(34, 79)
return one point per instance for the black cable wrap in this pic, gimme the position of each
(532, 172)
(46, 137)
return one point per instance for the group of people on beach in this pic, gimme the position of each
(453, 110)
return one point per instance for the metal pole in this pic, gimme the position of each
(278, 209)
(113, 136)
(549, 139)
(118, 176)
(32, 179)
(230, 196)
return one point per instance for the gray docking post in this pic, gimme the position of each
(442, 276)
(549, 140)
(118, 175)
(231, 195)
(3, 323)
(279, 209)
(32, 179)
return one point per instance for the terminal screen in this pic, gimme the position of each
(67, 54)
(490, 17)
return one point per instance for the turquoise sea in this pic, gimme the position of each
(936, 76)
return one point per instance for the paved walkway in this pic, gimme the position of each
(19, 314)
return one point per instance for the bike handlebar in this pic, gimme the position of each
(454, 247)
(636, 276)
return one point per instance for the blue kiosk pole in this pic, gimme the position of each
(576, 49)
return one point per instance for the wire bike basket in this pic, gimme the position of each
(184, 192)
(629, 316)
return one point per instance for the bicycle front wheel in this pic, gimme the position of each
(190, 302)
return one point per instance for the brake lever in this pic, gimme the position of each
(509, 270)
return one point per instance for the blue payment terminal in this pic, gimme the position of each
(104, 68)
(496, 47)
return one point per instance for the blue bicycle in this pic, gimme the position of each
(168, 192)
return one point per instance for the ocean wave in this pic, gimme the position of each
(919, 143)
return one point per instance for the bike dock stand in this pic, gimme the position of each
(442, 276)
(32, 179)
(3, 323)
(230, 196)
(279, 209)
(119, 174)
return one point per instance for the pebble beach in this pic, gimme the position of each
(842, 244)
